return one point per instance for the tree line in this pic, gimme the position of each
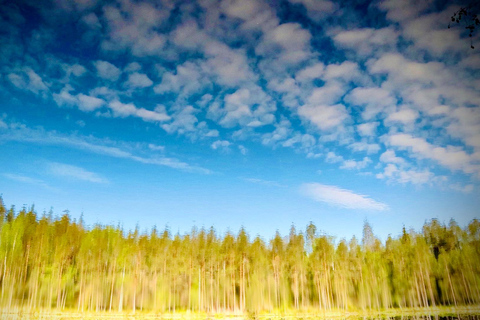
(59, 263)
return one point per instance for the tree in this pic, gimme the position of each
(53, 262)
(2, 212)
(368, 239)
(468, 15)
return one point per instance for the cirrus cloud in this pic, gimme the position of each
(77, 173)
(339, 197)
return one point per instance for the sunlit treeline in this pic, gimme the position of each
(56, 262)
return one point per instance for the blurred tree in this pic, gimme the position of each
(3, 210)
(54, 262)
(368, 239)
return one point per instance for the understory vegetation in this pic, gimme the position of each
(59, 263)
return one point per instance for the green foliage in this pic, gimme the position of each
(48, 262)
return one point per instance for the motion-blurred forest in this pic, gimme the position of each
(59, 263)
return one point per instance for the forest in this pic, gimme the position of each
(58, 263)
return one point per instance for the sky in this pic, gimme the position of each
(231, 113)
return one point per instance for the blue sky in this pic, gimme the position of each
(233, 113)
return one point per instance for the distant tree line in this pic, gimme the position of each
(59, 263)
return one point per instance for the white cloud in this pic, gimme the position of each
(333, 158)
(189, 78)
(290, 36)
(362, 146)
(89, 103)
(287, 85)
(138, 80)
(188, 35)
(374, 101)
(256, 15)
(405, 71)
(282, 131)
(403, 10)
(76, 69)
(312, 155)
(325, 117)
(289, 42)
(36, 83)
(133, 67)
(330, 93)
(91, 20)
(404, 115)
(134, 27)
(184, 120)
(155, 147)
(462, 188)
(367, 129)
(122, 109)
(105, 92)
(317, 9)
(451, 157)
(83, 102)
(415, 177)
(339, 197)
(220, 144)
(106, 70)
(445, 98)
(225, 65)
(129, 109)
(77, 173)
(29, 180)
(27, 79)
(417, 84)
(249, 106)
(466, 126)
(304, 141)
(312, 72)
(243, 9)
(353, 164)
(389, 171)
(242, 149)
(155, 115)
(172, 163)
(390, 157)
(428, 32)
(212, 133)
(288, 90)
(470, 62)
(393, 173)
(65, 97)
(230, 67)
(19, 132)
(348, 164)
(205, 100)
(368, 40)
(345, 71)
